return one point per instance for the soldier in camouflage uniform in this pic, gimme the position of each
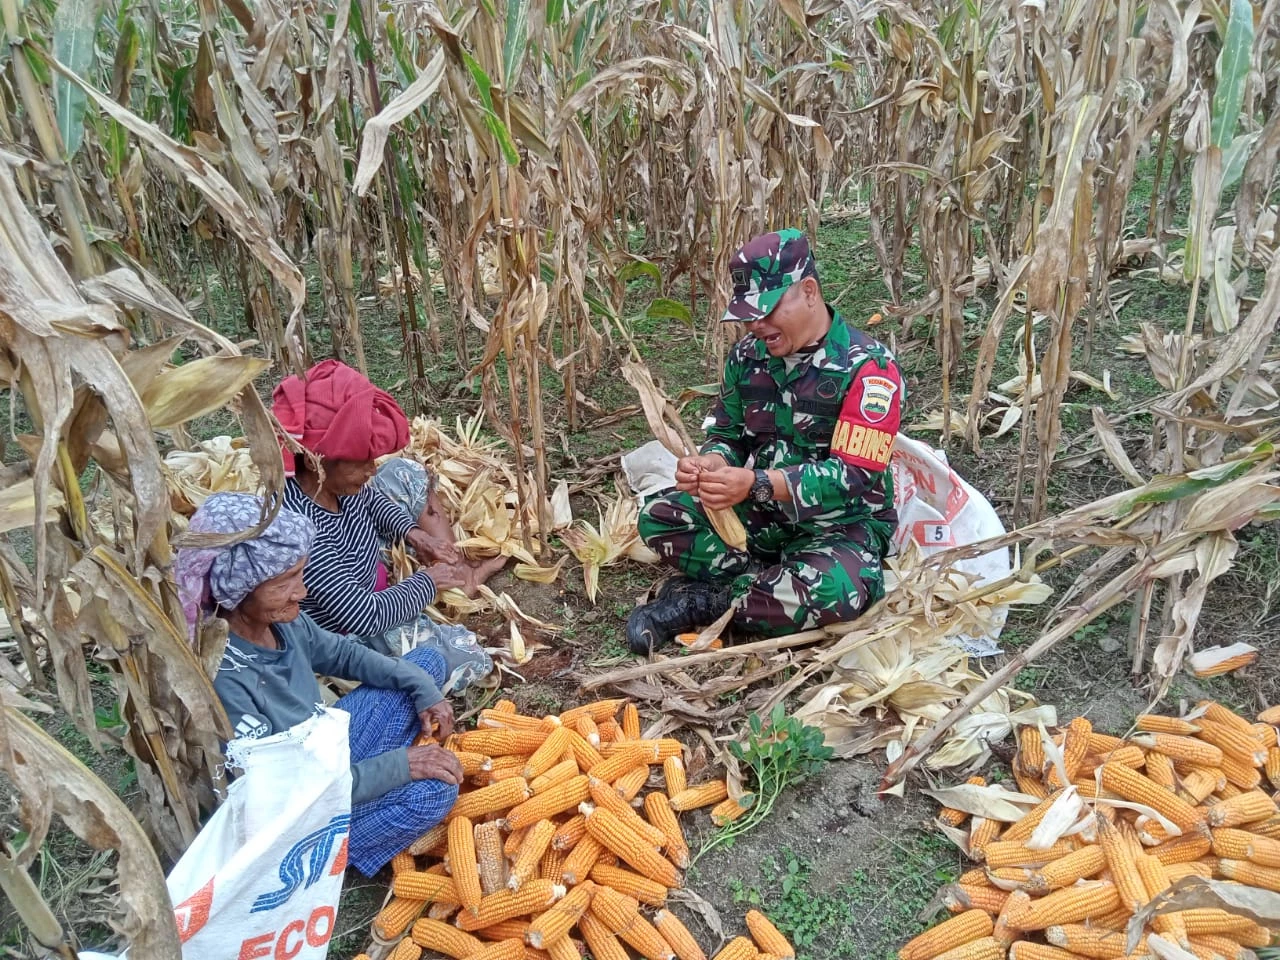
(798, 446)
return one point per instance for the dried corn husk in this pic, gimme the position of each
(218, 465)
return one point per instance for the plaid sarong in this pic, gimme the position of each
(384, 720)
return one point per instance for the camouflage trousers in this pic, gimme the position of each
(791, 577)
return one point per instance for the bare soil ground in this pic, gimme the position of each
(843, 871)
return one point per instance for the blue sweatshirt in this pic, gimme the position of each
(267, 691)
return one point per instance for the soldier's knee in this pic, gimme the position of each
(660, 515)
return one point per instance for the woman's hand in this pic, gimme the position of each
(446, 576)
(433, 762)
(437, 721)
(432, 549)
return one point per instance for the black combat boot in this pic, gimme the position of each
(682, 604)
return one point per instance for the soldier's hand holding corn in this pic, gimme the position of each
(690, 469)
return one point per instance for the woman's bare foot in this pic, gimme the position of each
(477, 572)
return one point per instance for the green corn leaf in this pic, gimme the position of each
(640, 268)
(75, 26)
(515, 43)
(1231, 71)
(666, 309)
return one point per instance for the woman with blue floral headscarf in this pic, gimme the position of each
(267, 678)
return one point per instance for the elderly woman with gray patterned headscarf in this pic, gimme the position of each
(267, 678)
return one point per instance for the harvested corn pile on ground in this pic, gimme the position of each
(565, 838)
(1098, 826)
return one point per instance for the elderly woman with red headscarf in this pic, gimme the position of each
(344, 424)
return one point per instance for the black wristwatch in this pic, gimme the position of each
(762, 489)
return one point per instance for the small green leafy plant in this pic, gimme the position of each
(780, 753)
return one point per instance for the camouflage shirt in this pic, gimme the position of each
(827, 423)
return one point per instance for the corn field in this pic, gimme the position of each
(165, 166)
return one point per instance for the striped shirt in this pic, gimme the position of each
(342, 568)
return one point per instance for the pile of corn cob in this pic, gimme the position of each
(1117, 822)
(545, 847)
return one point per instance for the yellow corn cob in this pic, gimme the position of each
(952, 817)
(615, 910)
(361, 956)
(406, 949)
(1242, 845)
(1008, 853)
(1031, 750)
(1245, 808)
(515, 840)
(462, 862)
(598, 710)
(552, 866)
(1018, 903)
(501, 768)
(1159, 769)
(610, 732)
(562, 772)
(1272, 767)
(977, 877)
(1022, 830)
(535, 844)
(631, 721)
(629, 785)
(631, 884)
(548, 754)
(1032, 786)
(1217, 713)
(643, 937)
(1117, 919)
(960, 929)
(739, 948)
(563, 949)
(558, 799)
(532, 897)
(600, 939)
(416, 885)
(437, 836)
(502, 950)
(497, 798)
(588, 730)
(958, 898)
(1129, 755)
(1026, 950)
(501, 743)
(569, 833)
(403, 861)
(1155, 723)
(584, 754)
(982, 833)
(658, 809)
(1250, 874)
(1254, 935)
(504, 930)
(1124, 874)
(1243, 744)
(1134, 787)
(505, 706)
(1151, 832)
(394, 918)
(1270, 715)
(1265, 734)
(555, 923)
(1199, 783)
(445, 938)
(1223, 947)
(1190, 846)
(768, 938)
(677, 936)
(607, 798)
(1241, 773)
(472, 762)
(1082, 941)
(673, 776)
(1078, 865)
(502, 720)
(1088, 900)
(1010, 878)
(491, 861)
(1176, 871)
(1075, 745)
(652, 751)
(1210, 921)
(1187, 749)
(703, 795)
(619, 762)
(630, 848)
(580, 860)
(984, 948)
(1155, 881)
(727, 811)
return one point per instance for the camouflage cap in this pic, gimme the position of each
(763, 269)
